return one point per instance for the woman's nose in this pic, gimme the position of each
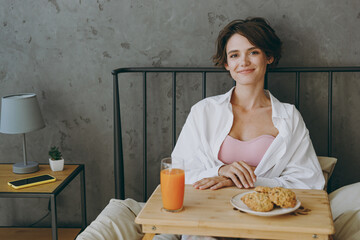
(243, 61)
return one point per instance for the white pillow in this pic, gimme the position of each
(345, 207)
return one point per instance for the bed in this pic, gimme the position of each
(109, 222)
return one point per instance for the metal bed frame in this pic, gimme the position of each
(118, 145)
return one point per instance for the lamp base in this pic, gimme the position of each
(30, 167)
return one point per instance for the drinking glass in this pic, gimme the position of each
(172, 182)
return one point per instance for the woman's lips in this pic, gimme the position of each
(245, 71)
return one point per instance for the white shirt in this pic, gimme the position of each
(289, 162)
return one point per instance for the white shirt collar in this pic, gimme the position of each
(278, 110)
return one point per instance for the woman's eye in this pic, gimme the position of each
(254, 52)
(233, 56)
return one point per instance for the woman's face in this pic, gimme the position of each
(246, 63)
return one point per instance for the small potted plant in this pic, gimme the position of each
(56, 160)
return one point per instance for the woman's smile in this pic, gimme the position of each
(246, 71)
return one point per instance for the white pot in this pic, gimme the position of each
(56, 165)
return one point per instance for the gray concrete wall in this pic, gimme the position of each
(64, 52)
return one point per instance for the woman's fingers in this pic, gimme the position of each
(203, 183)
(236, 180)
(224, 183)
(240, 173)
(244, 173)
(207, 184)
(250, 170)
(213, 183)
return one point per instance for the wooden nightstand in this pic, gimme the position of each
(49, 190)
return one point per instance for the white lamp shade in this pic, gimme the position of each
(20, 113)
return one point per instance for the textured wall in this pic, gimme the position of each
(64, 51)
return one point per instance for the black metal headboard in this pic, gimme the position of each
(118, 144)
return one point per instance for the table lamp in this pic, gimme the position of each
(20, 113)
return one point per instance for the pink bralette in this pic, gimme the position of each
(251, 152)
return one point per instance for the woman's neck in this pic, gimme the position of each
(249, 97)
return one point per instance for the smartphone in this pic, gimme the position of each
(31, 181)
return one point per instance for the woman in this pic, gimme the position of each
(246, 137)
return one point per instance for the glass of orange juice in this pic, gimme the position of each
(172, 182)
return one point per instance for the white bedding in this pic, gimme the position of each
(116, 222)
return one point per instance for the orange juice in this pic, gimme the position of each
(172, 188)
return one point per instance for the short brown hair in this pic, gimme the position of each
(257, 31)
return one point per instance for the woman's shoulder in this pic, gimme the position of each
(283, 109)
(291, 115)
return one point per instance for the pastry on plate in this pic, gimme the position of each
(283, 197)
(263, 189)
(259, 202)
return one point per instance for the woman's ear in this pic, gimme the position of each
(226, 66)
(270, 60)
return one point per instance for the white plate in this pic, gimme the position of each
(239, 204)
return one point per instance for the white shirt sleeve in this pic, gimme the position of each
(191, 150)
(299, 167)
(302, 171)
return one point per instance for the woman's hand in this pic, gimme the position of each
(240, 173)
(213, 183)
